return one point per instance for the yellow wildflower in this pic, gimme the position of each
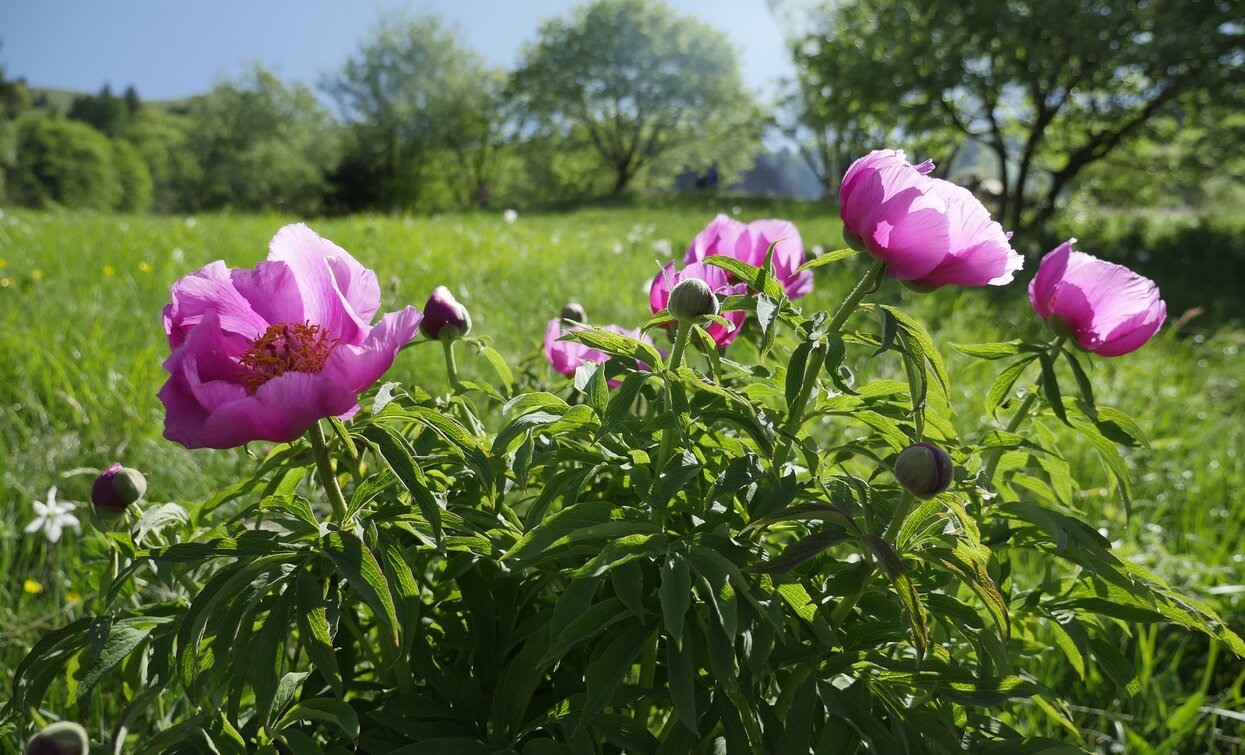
(32, 587)
(3, 263)
(144, 266)
(72, 597)
(37, 274)
(110, 270)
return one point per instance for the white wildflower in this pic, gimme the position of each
(53, 517)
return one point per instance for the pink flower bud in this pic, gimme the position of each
(444, 318)
(117, 488)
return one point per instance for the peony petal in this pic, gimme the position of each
(724, 235)
(788, 254)
(356, 368)
(911, 243)
(280, 411)
(272, 291)
(1112, 292)
(337, 292)
(210, 289)
(1043, 287)
(1134, 332)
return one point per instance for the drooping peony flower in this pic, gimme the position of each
(568, 356)
(263, 354)
(715, 277)
(927, 231)
(749, 243)
(1107, 308)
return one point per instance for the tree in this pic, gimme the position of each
(260, 144)
(413, 99)
(63, 162)
(1050, 86)
(162, 140)
(105, 111)
(645, 86)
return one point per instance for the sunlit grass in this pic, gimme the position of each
(81, 345)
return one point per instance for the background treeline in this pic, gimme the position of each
(1118, 102)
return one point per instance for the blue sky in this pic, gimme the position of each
(175, 48)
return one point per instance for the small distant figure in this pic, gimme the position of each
(712, 178)
(701, 180)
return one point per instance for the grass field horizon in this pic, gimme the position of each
(81, 337)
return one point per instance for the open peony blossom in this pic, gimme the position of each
(1107, 308)
(568, 356)
(659, 295)
(749, 243)
(927, 231)
(263, 354)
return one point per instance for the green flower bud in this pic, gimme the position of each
(925, 470)
(117, 488)
(918, 286)
(852, 240)
(61, 738)
(690, 299)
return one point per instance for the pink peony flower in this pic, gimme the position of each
(659, 295)
(568, 356)
(1107, 308)
(926, 230)
(749, 243)
(263, 354)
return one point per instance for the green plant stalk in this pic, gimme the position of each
(451, 365)
(862, 289)
(648, 672)
(328, 477)
(818, 358)
(799, 675)
(1022, 412)
(676, 358)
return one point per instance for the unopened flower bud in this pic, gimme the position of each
(691, 298)
(444, 318)
(925, 470)
(61, 738)
(574, 311)
(117, 488)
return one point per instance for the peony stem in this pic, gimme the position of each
(816, 358)
(680, 344)
(648, 672)
(1022, 412)
(901, 513)
(866, 285)
(451, 365)
(328, 477)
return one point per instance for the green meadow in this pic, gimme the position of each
(81, 346)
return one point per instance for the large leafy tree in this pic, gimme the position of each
(642, 85)
(416, 101)
(259, 143)
(1050, 86)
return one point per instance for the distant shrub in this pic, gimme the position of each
(132, 173)
(62, 162)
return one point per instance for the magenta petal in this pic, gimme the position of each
(280, 411)
(210, 289)
(912, 243)
(272, 291)
(788, 253)
(1050, 272)
(337, 293)
(564, 356)
(356, 368)
(724, 235)
(1134, 332)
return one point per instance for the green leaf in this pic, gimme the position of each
(619, 407)
(1002, 385)
(123, 637)
(1050, 387)
(323, 710)
(675, 594)
(587, 625)
(359, 566)
(755, 277)
(621, 551)
(267, 656)
(313, 630)
(583, 521)
(826, 259)
(681, 677)
(1115, 665)
(396, 454)
(990, 350)
(609, 664)
(890, 563)
(616, 344)
(800, 551)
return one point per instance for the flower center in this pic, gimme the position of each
(288, 347)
